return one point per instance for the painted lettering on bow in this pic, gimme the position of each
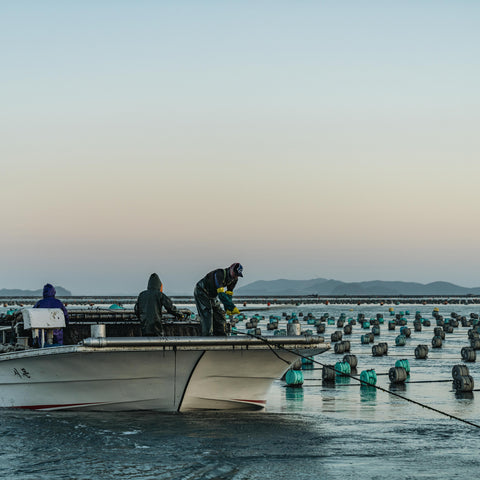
(21, 373)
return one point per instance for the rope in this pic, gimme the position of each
(433, 409)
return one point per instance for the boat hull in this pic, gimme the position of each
(166, 378)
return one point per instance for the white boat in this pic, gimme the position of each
(168, 374)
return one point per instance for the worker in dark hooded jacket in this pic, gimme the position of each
(149, 307)
(218, 283)
(49, 301)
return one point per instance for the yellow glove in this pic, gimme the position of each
(235, 311)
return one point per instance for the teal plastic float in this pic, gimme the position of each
(403, 363)
(342, 368)
(369, 376)
(294, 377)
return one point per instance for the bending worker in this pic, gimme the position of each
(207, 290)
(149, 305)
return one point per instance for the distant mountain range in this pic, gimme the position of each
(315, 286)
(323, 286)
(16, 292)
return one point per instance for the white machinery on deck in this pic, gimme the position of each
(42, 322)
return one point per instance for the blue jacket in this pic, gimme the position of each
(49, 301)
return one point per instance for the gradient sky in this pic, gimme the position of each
(305, 139)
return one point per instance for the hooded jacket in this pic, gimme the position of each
(49, 301)
(149, 307)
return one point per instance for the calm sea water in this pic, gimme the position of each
(339, 432)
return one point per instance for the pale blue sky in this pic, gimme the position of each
(304, 139)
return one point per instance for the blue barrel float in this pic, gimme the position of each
(307, 362)
(369, 376)
(342, 368)
(294, 378)
(403, 363)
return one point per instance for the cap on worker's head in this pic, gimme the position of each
(236, 270)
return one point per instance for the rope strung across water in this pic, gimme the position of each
(453, 417)
(410, 381)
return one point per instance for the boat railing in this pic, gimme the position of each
(292, 341)
(117, 323)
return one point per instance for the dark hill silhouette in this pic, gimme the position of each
(16, 292)
(323, 286)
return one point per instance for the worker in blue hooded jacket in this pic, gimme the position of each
(49, 301)
(217, 283)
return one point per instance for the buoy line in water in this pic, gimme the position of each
(392, 354)
(378, 374)
(428, 407)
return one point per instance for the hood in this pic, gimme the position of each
(154, 282)
(49, 291)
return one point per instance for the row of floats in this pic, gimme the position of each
(462, 381)
(443, 326)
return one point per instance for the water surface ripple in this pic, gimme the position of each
(335, 432)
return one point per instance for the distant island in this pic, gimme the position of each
(315, 286)
(323, 286)
(16, 292)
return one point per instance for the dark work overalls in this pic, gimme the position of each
(212, 316)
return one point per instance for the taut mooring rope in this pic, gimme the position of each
(453, 417)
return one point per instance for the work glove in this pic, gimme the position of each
(226, 300)
(235, 311)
